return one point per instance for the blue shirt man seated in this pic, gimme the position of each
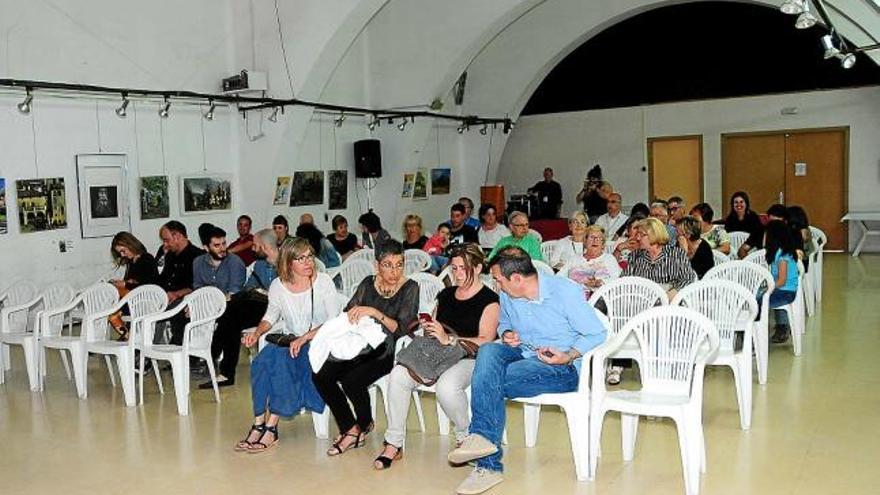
(217, 268)
(545, 327)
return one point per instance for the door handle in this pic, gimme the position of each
(781, 197)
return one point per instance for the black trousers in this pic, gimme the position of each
(239, 314)
(341, 381)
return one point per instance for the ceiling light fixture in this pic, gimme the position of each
(461, 128)
(806, 19)
(792, 7)
(209, 115)
(373, 123)
(165, 108)
(847, 60)
(830, 50)
(484, 129)
(274, 117)
(25, 106)
(339, 120)
(402, 125)
(121, 110)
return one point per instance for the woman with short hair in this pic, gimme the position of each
(372, 233)
(698, 250)
(595, 267)
(571, 246)
(344, 242)
(413, 238)
(491, 230)
(658, 259)
(714, 235)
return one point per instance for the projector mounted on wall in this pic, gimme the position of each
(244, 82)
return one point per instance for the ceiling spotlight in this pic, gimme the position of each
(120, 111)
(402, 125)
(806, 20)
(274, 116)
(484, 129)
(209, 115)
(508, 126)
(25, 106)
(164, 109)
(792, 7)
(461, 128)
(373, 123)
(828, 45)
(847, 60)
(339, 120)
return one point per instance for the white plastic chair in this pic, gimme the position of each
(737, 239)
(18, 302)
(361, 254)
(758, 257)
(205, 305)
(352, 272)
(575, 405)
(320, 266)
(818, 260)
(724, 302)
(675, 343)
(537, 235)
(796, 311)
(142, 301)
(548, 252)
(719, 257)
(543, 267)
(96, 299)
(755, 279)
(445, 277)
(429, 287)
(415, 261)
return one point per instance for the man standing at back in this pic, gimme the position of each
(545, 326)
(177, 275)
(549, 195)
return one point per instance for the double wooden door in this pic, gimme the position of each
(807, 168)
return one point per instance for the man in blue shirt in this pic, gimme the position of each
(545, 327)
(217, 268)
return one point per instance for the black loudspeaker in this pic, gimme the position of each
(367, 159)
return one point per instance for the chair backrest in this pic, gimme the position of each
(537, 235)
(429, 287)
(320, 266)
(548, 251)
(627, 297)
(363, 255)
(758, 257)
(415, 261)
(18, 293)
(670, 340)
(724, 302)
(719, 257)
(352, 272)
(56, 296)
(736, 240)
(205, 306)
(819, 236)
(145, 300)
(445, 276)
(750, 275)
(99, 297)
(543, 267)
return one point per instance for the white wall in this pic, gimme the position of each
(571, 142)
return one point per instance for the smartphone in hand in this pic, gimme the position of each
(425, 318)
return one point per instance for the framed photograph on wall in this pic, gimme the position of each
(205, 193)
(282, 191)
(420, 187)
(307, 188)
(409, 180)
(103, 194)
(440, 180)
(338, 189)
(154, 197)
(42, 204)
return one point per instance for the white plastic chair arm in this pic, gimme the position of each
(192, 324)
(7, 310)
(63, 309)
(164, 315)
(111, 310)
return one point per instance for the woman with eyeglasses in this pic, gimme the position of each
(281, 382)
(392, 300)
(572, 245)
(470, 310)
(595, 266)
(520, 237)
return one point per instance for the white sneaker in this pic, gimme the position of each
(613, 376)
(473, 447)
(479, 481)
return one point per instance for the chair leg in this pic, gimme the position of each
(761, 342)
(372, 391)
(629, 429)
(109, 363)
(31, 361)
(125, 363)
(64, 361)
(321, 422)
(158, 376)
(213, 378)
(141, 364)
(595, 438)
(686, 456)
(83, 362)
(531, 420)
(579, 436)
(180, 374)
(416, 397)
(3, 359)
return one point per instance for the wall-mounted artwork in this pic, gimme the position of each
(440, 180)
(282, 191)
(42, 204)
(103, 194)
(3, 228)
(307, 188)
(420, 188)
(154, 197)
(409, 181)
(205, 194)
(337, 189)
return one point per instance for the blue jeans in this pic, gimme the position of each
(501, 372)
(781, 298)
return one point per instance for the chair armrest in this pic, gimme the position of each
(7, 310)
(111, 310)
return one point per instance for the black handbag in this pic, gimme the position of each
(425, 358)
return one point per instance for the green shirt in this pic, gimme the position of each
(530, 244)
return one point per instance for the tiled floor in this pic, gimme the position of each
(813, 431)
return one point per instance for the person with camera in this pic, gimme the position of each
(595, 194)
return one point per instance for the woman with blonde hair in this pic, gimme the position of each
(281, 383)
(595, 266)
(140, 269)
(658, 259)
(572, 245)
(413, 237)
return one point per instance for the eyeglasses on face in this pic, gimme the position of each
(305, 258)
(596, 237)
(577, 222)
(391, 266)
(519, 225)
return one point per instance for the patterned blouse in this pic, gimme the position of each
(672, 268)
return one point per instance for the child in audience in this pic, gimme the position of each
(782, 258)
(436, 247)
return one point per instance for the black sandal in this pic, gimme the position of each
(362, 436)
(259, 445)
(386, 461)
(337, 449)
(244, 445)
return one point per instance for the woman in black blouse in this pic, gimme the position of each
(140, 269)
(344, 242)
(697, 249)
(471, 310)
(412, 232)
(741, 217)
(392, 301)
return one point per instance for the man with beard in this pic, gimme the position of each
(217, 268)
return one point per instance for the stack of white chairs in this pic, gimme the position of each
(737, 239)
(755, 279)
(725, 302)
(352, 272)
(204, 306)
(675, 344)
(415, 261)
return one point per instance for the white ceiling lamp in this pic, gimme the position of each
(830, 51)
(165, 109)
(806, 19)
(402, 125)
(121, 109)
(25, 106)
(792, 7)
(274, 117)
(847, 60)
(209, 115)
(339, 120)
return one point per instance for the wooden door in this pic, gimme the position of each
(752, 163)
(676, 168)
(815, 179)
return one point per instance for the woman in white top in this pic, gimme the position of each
(281, 377)
(571, 246)
(596, 266)
(490, 230)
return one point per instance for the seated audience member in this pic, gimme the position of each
(803, 236)
(436, 246)
(470, 310)
(491, 230)
(659, 258)
(697, 248)
(628, 242)
(177, 275)
(306, 218)
(281, 228)
(245, 309)
(572, 245)
(243, 246)
(281, 381)
(639, 211)
(412, 233)
(742, 219)
(756, 238)
(660, 212)
(216, 268)
(372, 233)
(392, 300)
(459, 231)
(714, 235)
(520, 237)
(595, 267)
(344, 242)
(140, 269)
(782, 258)
(676, 208)
(545, 327)
(470, 221)
(320, 245)
(549, 194)
(614, 219)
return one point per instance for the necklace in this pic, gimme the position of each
(386, 293)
